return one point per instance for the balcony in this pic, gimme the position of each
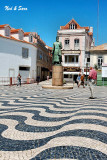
(71, 61)
(66, 64)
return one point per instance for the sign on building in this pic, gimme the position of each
(104, 70)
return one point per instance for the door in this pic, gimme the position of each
(25, 73)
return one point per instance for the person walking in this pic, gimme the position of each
(79, 80)
(93, 76)
(82, 80)
(19, 79)
(92, 80)
(38, 79)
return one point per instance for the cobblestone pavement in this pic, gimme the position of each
(46, 124)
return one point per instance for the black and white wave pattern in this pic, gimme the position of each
(40, 124)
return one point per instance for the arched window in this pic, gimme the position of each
(76, 44)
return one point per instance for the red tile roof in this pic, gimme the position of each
(49, 47)
(2, 26)
(101, 47)
(15, 30)
(26, 33)
(12, 38)
(73, 21)
(90, 33)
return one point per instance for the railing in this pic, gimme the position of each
(71, 64)
(4, 80)
(14, 81)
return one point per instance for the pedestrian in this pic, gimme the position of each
(79, 80)
(48, 78)
(82, 80)
(19, 79)
(38, 79)
(92, 80)
(93, 76)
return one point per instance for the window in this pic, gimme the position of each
(7, 32)
(20, 35)
(39, 55)
(76, 59)
(73, 26)
(31, 39)
(65, 75)
(76, 44)
(45, 57)
(88, 59)
(67, 43)
(100, 61)
(25, 52)
(24, 68)
(71, 59)
(65, 59)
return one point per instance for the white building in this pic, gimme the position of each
(98, 55)
(16, 55)
(20, 52)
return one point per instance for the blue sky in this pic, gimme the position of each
(46, 16)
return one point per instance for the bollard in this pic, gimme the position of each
(10, 81)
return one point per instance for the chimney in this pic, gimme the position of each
(91, 29)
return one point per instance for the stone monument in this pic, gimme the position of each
(57, 69)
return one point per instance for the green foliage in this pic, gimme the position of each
(95, 66)
(64, 82)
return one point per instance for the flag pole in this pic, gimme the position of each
(98, 23)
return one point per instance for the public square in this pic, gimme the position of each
(50, 124)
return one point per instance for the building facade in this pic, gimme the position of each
(44, 57)
(76, 43)
(98, 55)
(18, 54)
(44, 62)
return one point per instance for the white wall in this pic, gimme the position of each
(72, 35)
(26, 38)
(7, 29)
(2, 31)
(94, 58)
(21, 35)
(105, 58)
(15, 35)
(11, 57)
(89, 40)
